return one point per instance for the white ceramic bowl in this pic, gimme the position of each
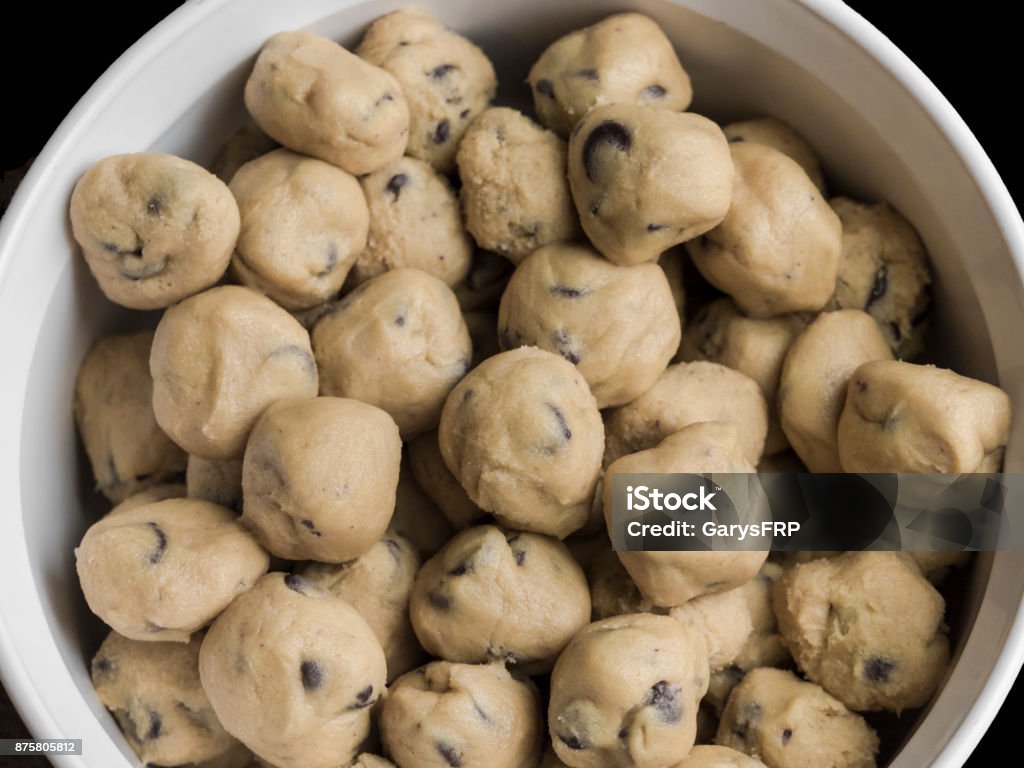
(882, 128)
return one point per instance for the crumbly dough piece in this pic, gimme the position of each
(514, 191)
(445, 715)
(901, 417)
(164, 570)
(778, 248)
(722, 334)
(787, 723)
(446, 79)
(218, 360)
(618, 325)
(314, 97)
(289, 652)
(813, 382)
(417, 517)
(216, 480)
(867, 627)
(153, 228)
(644, 179)
(303, 224)
(319, 478)
(612, 590)
(153, 691)
(710, 756)
(485, 282)
(415, 221)
(776, 134)
(523, 436)
(884, 271)
(623, 59)
(685, 394)
(245, 144)
(438, 482)
(378, 584)
(625, 693)
(460, 605)
(113, 410)
(397, 342)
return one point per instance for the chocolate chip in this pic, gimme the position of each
(879, 287)
(386, 97)
(520, 556)
(655, 91)
(545, 88)
(331, 262)
(879, 669)
(573, 742)
(586, 74)
(153, 205)
(442, 71)
(461, 569)
(862, 386)
(665, 700)
(608, 133)
(400, 321)
(395, 184)
(295, 583)
(155, 725)
(449, 753)
(157, 554)
(568, 292)
(464, 114)
(312, 675)
(595, 207)
(480, 713)
(363, 698)
(562, 423)
(787, 734)
(750, 715)
(112, 248)
(101, 666)
(468, 395)
(736, 139)
(441, 133)
(439, 601)
(312, 527)
(656, 227)
(563, 343)
(393, 548)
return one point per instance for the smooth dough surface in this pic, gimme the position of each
(776, 134)
(710, 756)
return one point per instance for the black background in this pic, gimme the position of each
(971, 54)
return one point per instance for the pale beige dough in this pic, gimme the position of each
(148, 496)
(216, 480)
(779, 135)
(247, 143)
(723, 618)
(438, 482)
(612, 591)
(709, 756)
(417, 516)
(367, 760)
(486, 281)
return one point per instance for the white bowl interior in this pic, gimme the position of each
(181, 92)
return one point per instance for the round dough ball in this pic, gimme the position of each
(709, 756)
(319, 478)
(417, 517)
(884, 271)
(625, 692)
(163, 570)
(397, 342)
(483, 333)
(446, 79)
(776, 134)
(303, 224)
(777, 250)
(153, 691)
(867, 627)
(314, 97)
(153, 228)
(485, 282)
(612, 591)
(623, 59)
(644, 179)
(686, 394)
(289, 652)
(461, 609)
(216, 480)
(218, 360)
(523, 436)
(415, 221)
(113, 410)
(514, 191)
(618, 325)
(812, 385)
(378, 584)
(245, 144)
(788, 723)
(901, 417)
(439, 483)
(444, 715)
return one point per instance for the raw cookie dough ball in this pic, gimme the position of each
(901, 417)
(724, 620)
(776, 134)
(722, 334)
(625, 58)
(397, 342)
(314, 97)
(867, 627)
(884, 271)
(686, 394)
(788, 723)
(483, 332)
(378, 584)
(163, 570)
(319, 478)
(446, 79)
(417, 516)
(618, 325)
(612, 591)
(523, 436)
(812, 385)
(113, 408)
(245, 144)
(303, 224)
(289, 652)
(153, 228)
(461, 607)
(440, 484)
(644, 179)
(777, 250)
(625, 693)
(514, 191)
(709, 756)
(153, 691)
(672, 578)
(415, 221)
(216, 480)
(446, 715)
(218, 360)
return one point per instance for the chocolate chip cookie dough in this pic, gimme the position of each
(644, 179)
(163, 570)
(314, 97)
(776, 134)
(153, 228)
(446, 80)
(624, 59)
(708, 756)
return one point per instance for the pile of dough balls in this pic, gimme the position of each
(407, 339)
